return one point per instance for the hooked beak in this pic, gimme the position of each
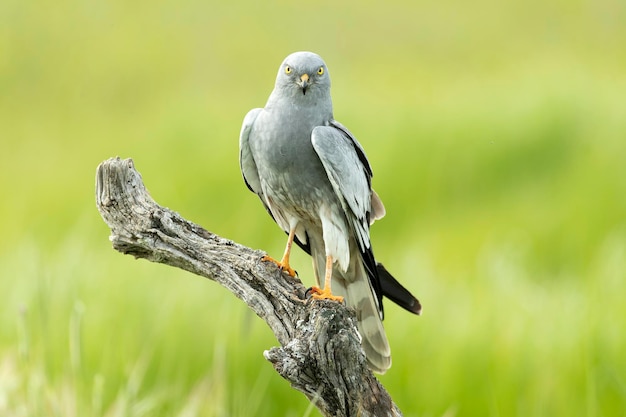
(304, 82)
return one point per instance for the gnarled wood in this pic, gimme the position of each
(320, 353)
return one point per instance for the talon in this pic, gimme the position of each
(324, 294)
(282, 266)
(308, 292)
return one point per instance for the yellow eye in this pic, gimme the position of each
(287, 69)
(320, 71)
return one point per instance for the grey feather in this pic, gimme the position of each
(246, 161)
(337, 152)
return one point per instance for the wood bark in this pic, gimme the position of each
(320, 352)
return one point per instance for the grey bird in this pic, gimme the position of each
(314, 179)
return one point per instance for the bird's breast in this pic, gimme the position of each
(289, 168)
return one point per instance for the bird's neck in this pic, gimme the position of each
(297, 105)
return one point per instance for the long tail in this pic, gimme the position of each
(354, 285)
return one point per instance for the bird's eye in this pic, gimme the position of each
(320, 71)
(287, 69)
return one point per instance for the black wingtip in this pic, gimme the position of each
(393, 290)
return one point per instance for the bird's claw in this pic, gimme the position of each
(283, 267)
(323, 294)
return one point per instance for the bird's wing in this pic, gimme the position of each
(350, 174)
(246, 161)
(377, 207)
(357, 147)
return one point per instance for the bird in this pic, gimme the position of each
(315, 181)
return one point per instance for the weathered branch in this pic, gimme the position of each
(320, 353)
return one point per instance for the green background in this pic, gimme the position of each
(497, 134)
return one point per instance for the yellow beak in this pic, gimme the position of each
(304, 82)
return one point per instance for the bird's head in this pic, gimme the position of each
(303, 73)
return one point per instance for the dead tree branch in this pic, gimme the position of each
(320, 353)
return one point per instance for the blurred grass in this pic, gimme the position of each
(497, 133)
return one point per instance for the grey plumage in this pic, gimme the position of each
(315, 181)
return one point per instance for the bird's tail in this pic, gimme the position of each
(354, 285)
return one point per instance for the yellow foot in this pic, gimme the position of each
(283, 267)
(324, 294)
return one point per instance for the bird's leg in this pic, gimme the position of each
(283, 264)
(326, 293)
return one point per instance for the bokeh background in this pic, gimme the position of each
(497, 134)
